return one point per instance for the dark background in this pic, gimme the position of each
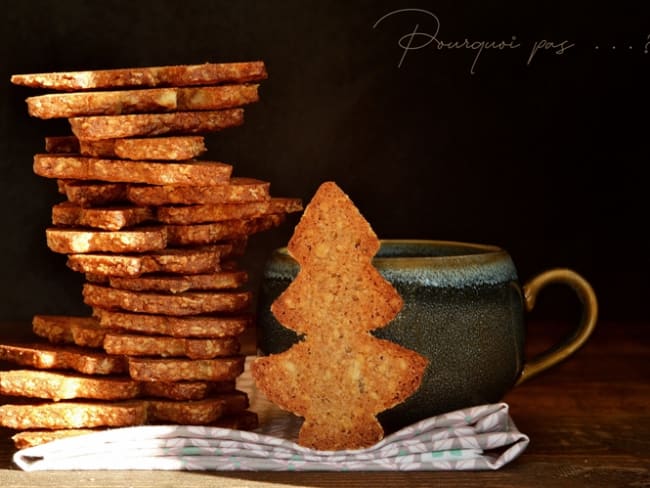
(544, 159)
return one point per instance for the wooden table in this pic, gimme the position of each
(588, 419)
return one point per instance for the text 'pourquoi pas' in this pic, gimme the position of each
(421, 37)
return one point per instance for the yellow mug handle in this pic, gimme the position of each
(581, 333)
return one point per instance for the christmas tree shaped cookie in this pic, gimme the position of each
(339, 377)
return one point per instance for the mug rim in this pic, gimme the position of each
(479, 248)
(475, 264)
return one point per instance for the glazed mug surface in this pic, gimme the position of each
(464, 310)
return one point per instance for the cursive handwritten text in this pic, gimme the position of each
(420, 37)
(417, 39)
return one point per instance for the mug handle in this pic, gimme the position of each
(580, 334)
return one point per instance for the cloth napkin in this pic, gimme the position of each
(477, 438)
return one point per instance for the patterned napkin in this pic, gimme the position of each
(478, 438)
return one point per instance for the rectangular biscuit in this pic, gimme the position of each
(198, 214)
(127, 171)
(72, 414)
(143, 345)
(68, 329)
(244, 420)
(93, 414)
(64, 105)
(64, 386)
(73, 241)
(220, 369)
(186, 303)
(201, 326)
(236, 190)
(177, 283)
(201, 234)
(59, 385)
(172, 148)
(184, 390)
(31, 438)
(188, 260)
(176, 75)
(92, 193)
(106, 218)
(49, 356)
(96, 127)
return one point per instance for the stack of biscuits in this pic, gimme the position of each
(157, 233)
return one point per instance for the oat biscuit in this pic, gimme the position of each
(142, 345)
(200, 326)
(201, 234)
(96, 127)
(244, 420)
(236, 190)
(127, 171)
(64, 105)
(50, 356)
(184, 390)
(65, 386)
(340, 376)
(187, 303)
(92, 193)
(31, 438)
(178, 75)
(68, 329)
(106, 218)
(188, 260)
(198, 214)
(224, 280)
(73, 414)
(173, 148)
(153, 369)
(74, 241)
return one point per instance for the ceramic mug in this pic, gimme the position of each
(464, 309)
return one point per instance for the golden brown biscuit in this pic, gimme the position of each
(205, 326)
(223, 280)
(73, 415)
(235, 190)
(201, 234)
(64, 386)
(68, 329)
(340, 376)
(54, 356)
(64, 105)
(73, 241)
(244, 420)
(87, 414)
(187, 173)
(176, 148)
(179, 75)
(106, 218)
(92, 193)
(187, 303)
(153, 369)
(188, 260)
(97, 127)
(142, 345)
(198, 214)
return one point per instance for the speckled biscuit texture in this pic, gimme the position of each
(339, 377)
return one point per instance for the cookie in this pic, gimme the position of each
(149, 76)
(339, 377)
